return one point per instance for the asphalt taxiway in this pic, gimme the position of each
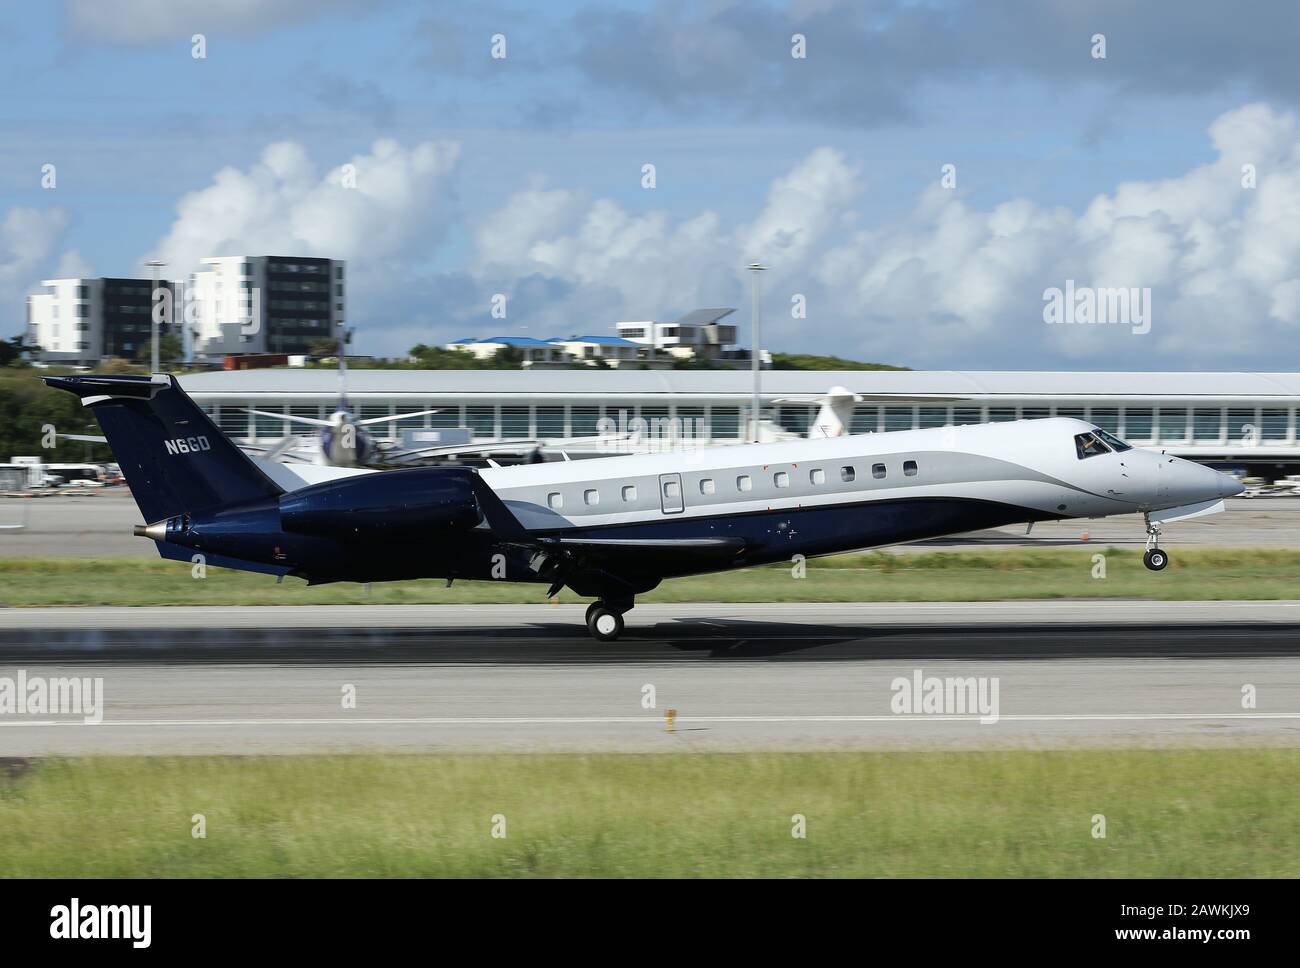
(739, 677)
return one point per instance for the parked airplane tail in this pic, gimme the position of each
(836, 414)
(174, 458)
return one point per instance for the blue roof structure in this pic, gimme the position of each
(512, 341)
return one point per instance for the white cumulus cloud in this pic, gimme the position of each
(646, 265)
(282, 205)
(949, 283)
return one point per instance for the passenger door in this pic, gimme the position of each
(670, 493)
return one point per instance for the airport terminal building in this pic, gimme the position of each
(1237, 418)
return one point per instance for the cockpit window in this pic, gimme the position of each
(1117, 445)
(1089, 445)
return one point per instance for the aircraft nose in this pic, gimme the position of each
(1229, 486)
(1201, 483)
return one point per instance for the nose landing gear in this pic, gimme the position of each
(1155, 559)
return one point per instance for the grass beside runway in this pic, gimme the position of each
(1193, 574)
(1170, 813)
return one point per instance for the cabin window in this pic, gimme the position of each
(556, 500)
(743, 483)
(706, 485)
(847, 473)
(591, 496)
(781, 479)
(877, 471)
(909, 468)
(817, 476)
(629, 492)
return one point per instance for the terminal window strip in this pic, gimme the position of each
(1206, 425)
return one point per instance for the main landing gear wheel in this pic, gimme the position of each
(604, 624)
(1155, 559)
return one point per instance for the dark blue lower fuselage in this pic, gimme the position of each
(252, 534)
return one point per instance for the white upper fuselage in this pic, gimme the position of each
(1028, 463)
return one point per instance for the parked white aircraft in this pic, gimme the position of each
(836, 413)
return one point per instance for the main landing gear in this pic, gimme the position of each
(605, 619)
(1155, 559)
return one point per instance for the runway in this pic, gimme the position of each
(99, 524)
(739, 677)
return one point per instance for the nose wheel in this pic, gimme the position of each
(1155, 559)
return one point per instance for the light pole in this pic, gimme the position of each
(157, 267)
(755, 341)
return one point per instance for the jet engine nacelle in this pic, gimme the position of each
(415, 502)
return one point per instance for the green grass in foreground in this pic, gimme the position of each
(1175, 813)
(1213, 574)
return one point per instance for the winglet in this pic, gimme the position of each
(503, 523)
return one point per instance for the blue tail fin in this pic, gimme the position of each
(173, 456)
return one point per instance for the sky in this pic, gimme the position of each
(921, 178)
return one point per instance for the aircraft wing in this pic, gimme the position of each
(88, 438)
(281, 448)
(275, 453)
(314, 421)
(641, 550)
(564, 558)
(568, 561)
(369, 421)
(515, 444)
(443, 449)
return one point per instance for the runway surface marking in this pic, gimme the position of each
(658, 721)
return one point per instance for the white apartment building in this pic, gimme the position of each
(266, 304)
(697, 334)
(83, 321)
